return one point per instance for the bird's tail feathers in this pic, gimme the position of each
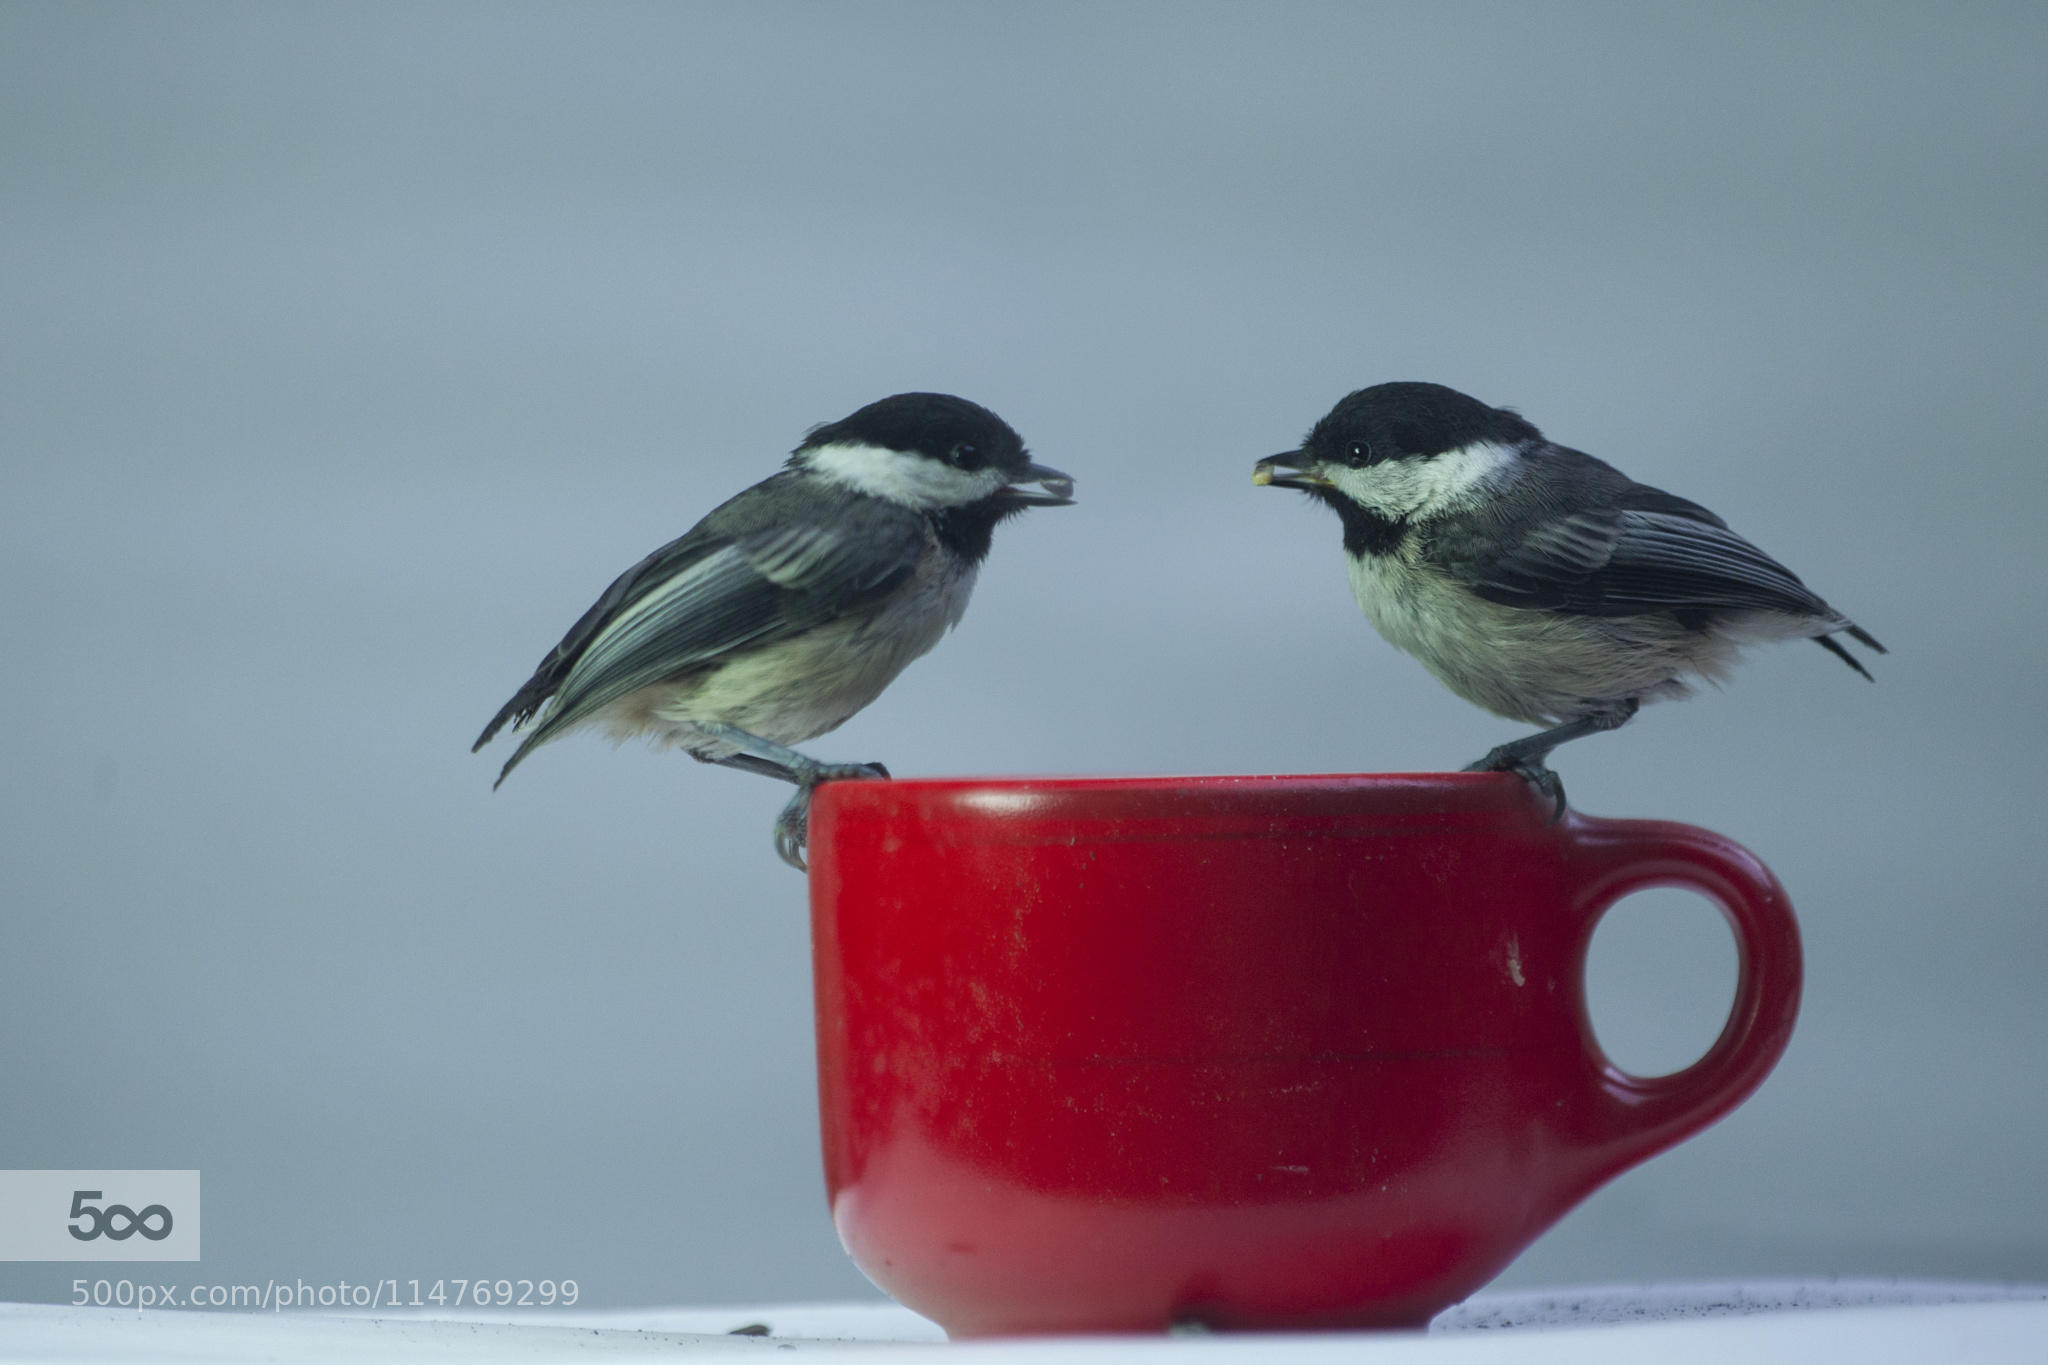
(526, 746)
(1840, 651)
(525, 702)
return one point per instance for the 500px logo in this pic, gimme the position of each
(117, 1221)
(99, 1215)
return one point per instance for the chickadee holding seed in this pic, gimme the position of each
(794, 604)
(1535, 580)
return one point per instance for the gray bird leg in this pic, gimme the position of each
(747, 763)
(757, 755)
(1525, 756)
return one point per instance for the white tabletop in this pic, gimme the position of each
(1760, 1321)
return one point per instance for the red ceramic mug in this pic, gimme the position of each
(1104, 1055)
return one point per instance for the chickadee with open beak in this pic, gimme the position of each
(795, 603)
(1535, 580)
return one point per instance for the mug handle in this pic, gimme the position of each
(1640, 1115)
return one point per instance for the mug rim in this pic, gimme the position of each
(1147, 806)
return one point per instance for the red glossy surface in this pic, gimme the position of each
(1098, 1055)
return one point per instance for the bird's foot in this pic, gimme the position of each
(793, 826)
(1532, 770)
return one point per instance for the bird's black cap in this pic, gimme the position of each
(1412, 420)
(963, 434)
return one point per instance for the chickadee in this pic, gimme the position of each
(795, 603)
(1534, 580)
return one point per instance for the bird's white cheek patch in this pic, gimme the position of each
(1406, 488)
(909, 480)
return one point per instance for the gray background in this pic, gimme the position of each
(347, 352)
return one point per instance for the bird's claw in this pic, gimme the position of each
(792, 830)
(793, 826)
(1531, 770)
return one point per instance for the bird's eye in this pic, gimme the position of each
(1359, 453)
(964, 454)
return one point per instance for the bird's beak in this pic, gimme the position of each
(1054, 488)
(1290, 469)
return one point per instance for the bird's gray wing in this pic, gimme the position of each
(755, 571)
(1638, 550)
(674, 558)
(759, 588)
